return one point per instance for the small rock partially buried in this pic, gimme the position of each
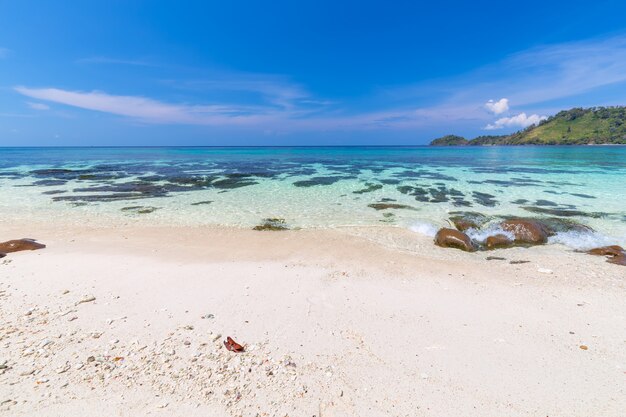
(20, 245)
(615, 254)
(451, 238)
(498, 241)
(272, 224)
(85, 299)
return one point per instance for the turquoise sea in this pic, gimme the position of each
(411, 187)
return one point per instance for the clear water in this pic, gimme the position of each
(319, 187)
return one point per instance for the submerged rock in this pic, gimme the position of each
(47, 183)
(192, 181)
(51, 171)
(464, 220)
(317, 181)
(91, 198)
(439, 194)
(200, 203)
(526, 231)
(582, 195)
(484, 199)
(385, 206)
(369, 187)
(451, 238)
(20, 245)
(615, 254)
(546, 203)
(562, 212)
(140, 209)
(556, 224)
(234, 182)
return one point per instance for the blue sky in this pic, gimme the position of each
(299, 72)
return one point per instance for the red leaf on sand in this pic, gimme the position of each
(232, 345)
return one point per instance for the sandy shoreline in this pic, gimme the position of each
(350, 322)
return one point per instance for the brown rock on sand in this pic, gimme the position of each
(613, 250)
(498, 241)
(450, 238)
(526, 231)
(20, 245)
(614, 253)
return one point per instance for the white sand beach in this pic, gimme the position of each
(312, 209)
(347, 322)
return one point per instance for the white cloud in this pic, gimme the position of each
(498, 107)
(521, 120)
(4, 52)
(37, 106)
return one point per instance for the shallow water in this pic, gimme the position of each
(411, 187)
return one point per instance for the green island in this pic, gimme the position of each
(577, 126)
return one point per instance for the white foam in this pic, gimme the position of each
(426, 229)
(581, 240)
(480, 235)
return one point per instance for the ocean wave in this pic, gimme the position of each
(581, 240)
(480, 235)
(424, 228)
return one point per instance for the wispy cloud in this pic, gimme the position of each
(16, 115)
(552, 72)
(148, 110)
(37, 106)
(4, 52)
(114, 61)
(153, 111)
(273, 90)
(565, 70)
(530, 80)
(230, 99)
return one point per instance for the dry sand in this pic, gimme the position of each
(352, 322)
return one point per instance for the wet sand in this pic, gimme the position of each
(351, 322)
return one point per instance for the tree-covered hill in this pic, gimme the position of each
(578, 126)
(449, 140)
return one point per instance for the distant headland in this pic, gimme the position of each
(577, 126)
